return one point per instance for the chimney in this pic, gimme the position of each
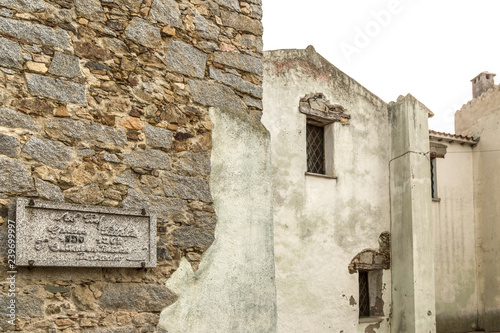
(481, 83)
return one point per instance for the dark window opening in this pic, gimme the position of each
(434, 178)
(315, 149)
(364, 294)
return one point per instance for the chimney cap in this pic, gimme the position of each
(481, 74)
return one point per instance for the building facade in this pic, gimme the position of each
(351, 181)
(352, 176)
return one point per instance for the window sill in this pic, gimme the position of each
(371, 320)
(436, 199)
(320, 175)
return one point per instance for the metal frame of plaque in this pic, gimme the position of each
(61, 234)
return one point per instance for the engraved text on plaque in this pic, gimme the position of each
(60, 234)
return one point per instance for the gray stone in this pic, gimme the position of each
(68, 130)
(231, 4)
(86, 152)
(90, 9)
(240, 61)
(189, 188)
(166, 11)
(133, 5)
(252, 102)
(102, 29)
(366, 258)
(10, 54)
(111, 157)
(150, 159)
(379, 259)
(27, 56)
(242, 23)
(9, 145)
(185, 59)
(35, 33)
(205, 220)
(8, 71)
(207, 29)
(63, 91)
(105, 134)
(143, 33)
(208, 47)
(236, 82)
(86, 195)
(115, 45)
(158, 205)
(83, 236)
(56, 289)
(123, 329)
(252, 42)
(65, 65)
(215, 94)
(123, 296)
(6, 12)
(157, 137)
(30, 305)
(190, 237)
(13, 119)
(150, 181)
(15, 177)
(49, 152)
(193, 164)
(3, 243)
(48, 191)
(126, 178)
(28, 6)
(32, 48)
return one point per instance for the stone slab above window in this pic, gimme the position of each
(320, 112)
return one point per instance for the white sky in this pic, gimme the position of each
(431, 49)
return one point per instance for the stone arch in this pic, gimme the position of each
(369, 259)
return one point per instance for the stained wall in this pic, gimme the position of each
(455, 240)
(480, 118)
(321, 224)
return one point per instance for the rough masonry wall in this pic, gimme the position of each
(106, 103)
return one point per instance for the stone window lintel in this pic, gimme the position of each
(320, 112)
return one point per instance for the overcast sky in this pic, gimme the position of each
(431, 49)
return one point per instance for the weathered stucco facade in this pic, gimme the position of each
(325, 222)
(107, 103)
(480, 119)
(455, 234)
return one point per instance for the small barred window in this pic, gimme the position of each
(315, 149)
(364, 294)
(434, 179)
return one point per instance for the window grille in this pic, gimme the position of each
(433, 178)
(315, 149)
(364, 295)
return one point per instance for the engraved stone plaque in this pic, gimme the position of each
(60, 234)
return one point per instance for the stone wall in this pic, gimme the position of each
(106, 103)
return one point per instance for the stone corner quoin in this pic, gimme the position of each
(107, 103)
